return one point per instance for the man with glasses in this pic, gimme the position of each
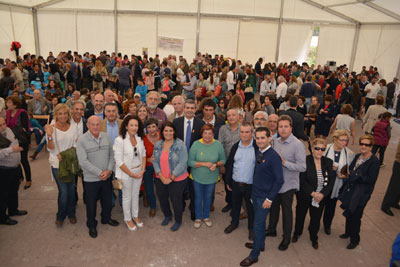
(293, 155)
(267, 181)
(272, 125)
(260, 119)
(239, 177)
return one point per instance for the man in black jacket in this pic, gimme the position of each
(297, 118)
(209, 117)
(98, 109)
(188, 130)
(239, 177)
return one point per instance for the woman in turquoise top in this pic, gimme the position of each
(205, 157)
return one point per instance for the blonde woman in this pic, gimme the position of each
(60, 137)
(98, 74)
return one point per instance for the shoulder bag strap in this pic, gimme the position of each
(55, 137)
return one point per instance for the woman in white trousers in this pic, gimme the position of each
(130, 164)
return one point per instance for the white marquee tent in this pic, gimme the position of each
(352, 32)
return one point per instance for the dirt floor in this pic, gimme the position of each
(36, 241)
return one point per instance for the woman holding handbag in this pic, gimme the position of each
(130, 164)
(61, 137)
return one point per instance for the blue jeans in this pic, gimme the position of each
(66, 198)
(260, 216)
(41, 145)
(149, 186)
(203, 195)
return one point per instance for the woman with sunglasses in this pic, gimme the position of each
(315, 183)
(364, 171)
(130, 163)
(341, 157)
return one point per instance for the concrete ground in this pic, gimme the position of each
(36, 241)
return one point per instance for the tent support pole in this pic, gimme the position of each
(156, 33)
(36, 31)
(355, 44)
(278, 39)
(116, 26)
(198, 26)
(237, 41)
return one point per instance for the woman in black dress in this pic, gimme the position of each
(326, 114)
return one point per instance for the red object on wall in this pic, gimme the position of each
(15, 46)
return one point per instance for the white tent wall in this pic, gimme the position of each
(219, 36)
(379, 46)
(261, 8)
(135, 32)
(57, 32)
(295, 40)
(21, 20)
(335, 42)
(257, 39)
(158, 5)
(95, 32)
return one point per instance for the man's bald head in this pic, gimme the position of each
(108, 96)
(94, 125)
(37, 94)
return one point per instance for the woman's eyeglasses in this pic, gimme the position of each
(135, 151)
(364, 144)
(319, 148)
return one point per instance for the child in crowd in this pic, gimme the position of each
(142, 89)
(382, 132)
(167, 84)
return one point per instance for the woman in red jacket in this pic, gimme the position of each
(381, 132)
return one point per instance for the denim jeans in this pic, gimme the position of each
(149, 186)
(260, 216)
(66, 198)
(203, 194)
(41, 145)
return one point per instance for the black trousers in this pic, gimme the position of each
(353, 225)
(242, 191)
(173, 191)
(25, 164)
(382, 150)
(303, 205)
(98, 190)
(285, 200)
(9, 184)
(368, 102)
(228, 194)
(392, 195)
(191, 195)
(76, 189)
(329, 211)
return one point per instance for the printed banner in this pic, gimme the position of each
(168, 43)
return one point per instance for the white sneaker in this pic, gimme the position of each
(197, 224)
(131, 228)
(208, 222)
(138, 224)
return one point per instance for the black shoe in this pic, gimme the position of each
(352, 246)
(295, 238)
(186, 196)
(251, 235)
(315, 244)
(327, 231)
(387, 211)
(270, 233)
(111, 222)
(397, 206)
(28, 184)
(227, 208)
(93, 232)
(230, 229)
(248, 262)
(192, 216)
(250, 245)
(344, 236)
(284, 245)
(9, 221)
(18, 213)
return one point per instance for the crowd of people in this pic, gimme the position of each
(169, 129)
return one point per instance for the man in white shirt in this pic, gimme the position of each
(231, 79)
(282, 88)
(372, 89)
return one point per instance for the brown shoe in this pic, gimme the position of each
(28, 184)
(212, 208)
(152, 213)
(59, 223)
(248, 262)
(73, 220)
(243, 216)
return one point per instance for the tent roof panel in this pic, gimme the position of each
(363, 13)
(392, 5)
(27, 3)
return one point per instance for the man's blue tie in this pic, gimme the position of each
(188, 135)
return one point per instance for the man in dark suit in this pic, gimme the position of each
(208, 116)
(297, 119)
(98, 109)
(188, 130)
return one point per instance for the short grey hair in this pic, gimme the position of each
(156, 93)
(79, 102)
(265, 114)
